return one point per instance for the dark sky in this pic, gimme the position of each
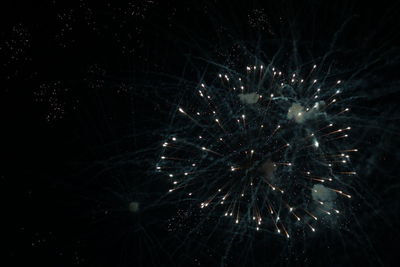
(88, 86)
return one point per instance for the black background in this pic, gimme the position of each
(107, 63)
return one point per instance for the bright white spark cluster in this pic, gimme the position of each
(265, 149)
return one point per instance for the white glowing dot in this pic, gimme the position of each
(314, 66)
(316, 144)
(186, 173)
(173, 138)
(171, 175)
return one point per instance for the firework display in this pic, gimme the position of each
(264, 148)
(201, 133)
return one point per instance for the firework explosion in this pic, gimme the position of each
(266, 149)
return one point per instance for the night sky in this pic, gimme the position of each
(90, 90)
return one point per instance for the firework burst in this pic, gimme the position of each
(265, 149)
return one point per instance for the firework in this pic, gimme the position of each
(264, 148)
